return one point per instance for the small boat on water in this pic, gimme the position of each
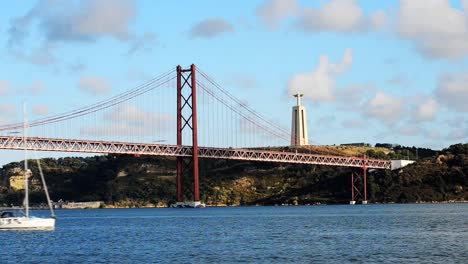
(10, 221)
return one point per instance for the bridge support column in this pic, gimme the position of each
(364, 201)
(355, 191)
(196, 184)
(187, 119)
(364, 168)
(179, 134)
(353, 201)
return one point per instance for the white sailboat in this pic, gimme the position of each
(8, 220)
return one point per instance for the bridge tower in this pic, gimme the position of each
(354, 189)
(187, 120)
(299, 135)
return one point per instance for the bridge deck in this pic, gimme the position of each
(104, 147)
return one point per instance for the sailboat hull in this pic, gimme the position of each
(27, 223)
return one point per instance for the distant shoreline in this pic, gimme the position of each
(219, 206)
(104, 206)
(299, 205)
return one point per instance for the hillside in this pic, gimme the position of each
(343, 150)
(140, 181)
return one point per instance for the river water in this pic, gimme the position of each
(423, 233)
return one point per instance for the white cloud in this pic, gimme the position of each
(93, 85)
(133, 115)
(426, 110)
(76, 67)
(459, 134)
(76, 20)
(378, 19)
(353, 123)
(143, 43)
(244, 22)
(35, 88)
(273, 11)
(319, 85)
(40, 110)
(398, 79)
(457, 121)
(438, 29)
(211, 28)
(352, 96)
(452, 91)
(103, 17)
(41, 56)
(434, 135)
(243, 81)
(4, 87)
(335, 15)
(384, 107)
(8, 109)
(410, 130)
(138, 75)
(8, 113)
(68, 21)
(326, 121)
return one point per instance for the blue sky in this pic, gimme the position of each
(371, 71)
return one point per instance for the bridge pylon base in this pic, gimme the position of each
(356, 194)
(186, 204)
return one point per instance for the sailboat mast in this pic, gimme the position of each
(49, 202)
(26, 170)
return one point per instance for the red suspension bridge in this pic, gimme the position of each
(138, 121)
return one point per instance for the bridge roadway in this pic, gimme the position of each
(109, 147)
